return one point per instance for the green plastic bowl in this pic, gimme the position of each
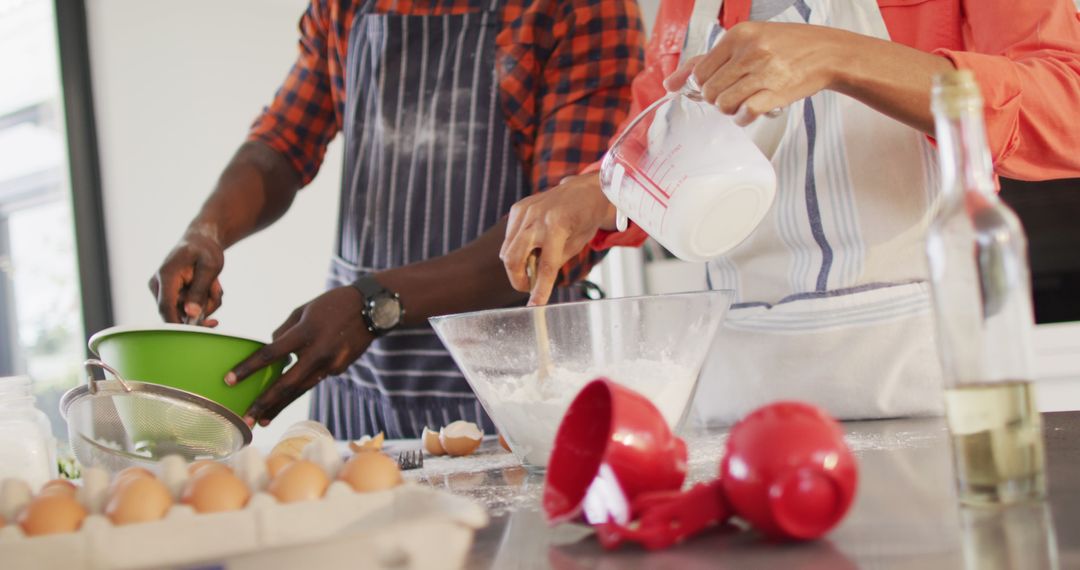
(187, 357)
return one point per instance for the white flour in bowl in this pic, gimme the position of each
(528, 410)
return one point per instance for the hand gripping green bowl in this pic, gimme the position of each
(187, 357)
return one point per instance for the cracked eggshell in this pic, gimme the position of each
(324, 453)
(14, 495)
(460, 438)
(174, 473)
(368, 443)
(95, 489)
(431, 442)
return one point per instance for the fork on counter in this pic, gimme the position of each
(410, 459)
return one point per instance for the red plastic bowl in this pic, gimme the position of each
(788, 472)
(612, 445)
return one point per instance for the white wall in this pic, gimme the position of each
(648, 12)
(176, 86)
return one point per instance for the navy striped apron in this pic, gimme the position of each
(429, 166)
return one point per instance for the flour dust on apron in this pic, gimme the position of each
(429, 167)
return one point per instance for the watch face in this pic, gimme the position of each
(385, 312)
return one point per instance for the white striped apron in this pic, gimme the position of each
(429, 166)
(832, 305)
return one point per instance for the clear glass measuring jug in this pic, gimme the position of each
(689, 176)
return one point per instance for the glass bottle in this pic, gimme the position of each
(27, 446)
(1017, 536)
(980, 282)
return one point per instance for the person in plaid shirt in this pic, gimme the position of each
(451, 111)
(831, 299)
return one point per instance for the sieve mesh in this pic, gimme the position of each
(114, 424)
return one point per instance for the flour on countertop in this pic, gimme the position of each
(496, 478)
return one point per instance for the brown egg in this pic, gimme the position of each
(215, 491)
(134, 471)
(275, 463)
(502, 442)
(293, 446)
(368, 443)
(460, 438)
(128, 474)
(299, 481)
(59, 487)
(431, 442)
(3, 521)
(201, 465)
(51, 514)
(367, 472)
(460, 446)
(140, 499)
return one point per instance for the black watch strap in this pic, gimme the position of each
(370, 288)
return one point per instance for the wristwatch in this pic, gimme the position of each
(382, 310)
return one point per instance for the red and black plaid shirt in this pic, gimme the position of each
(565, 69)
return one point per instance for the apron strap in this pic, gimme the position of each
(702, 19)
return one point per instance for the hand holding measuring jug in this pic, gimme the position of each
(689, 176)
(759, 68)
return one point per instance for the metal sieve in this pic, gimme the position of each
(119, 423)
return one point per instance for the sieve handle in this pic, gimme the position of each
(91, 382)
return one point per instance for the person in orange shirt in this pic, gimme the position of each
(831, 298)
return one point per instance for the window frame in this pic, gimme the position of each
(84, 165)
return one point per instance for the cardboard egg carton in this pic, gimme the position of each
(392, 524)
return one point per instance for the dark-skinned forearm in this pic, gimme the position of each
(255, 190)
(468, 279)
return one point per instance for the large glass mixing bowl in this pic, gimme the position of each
(655, 345)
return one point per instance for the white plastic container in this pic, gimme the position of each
(689, 176)
(27, 445)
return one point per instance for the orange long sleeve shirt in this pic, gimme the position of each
(1025, 55)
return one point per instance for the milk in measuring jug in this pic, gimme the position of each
(690, 177)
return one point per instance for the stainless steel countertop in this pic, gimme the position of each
(905, 514)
